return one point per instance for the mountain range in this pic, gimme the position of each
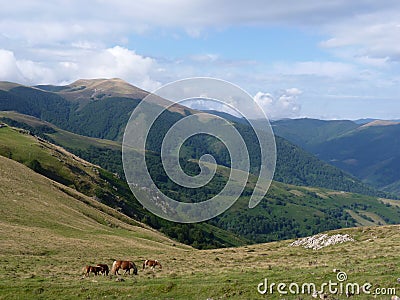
(101, 108)
(72, 135)
(370, 151)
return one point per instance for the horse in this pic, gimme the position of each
(124, 265)
(151, 263)
(104, 269)
(92, 269)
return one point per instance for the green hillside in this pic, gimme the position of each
(98, 108)
(61, 166)
(369, 151)
(286, 212)
(105, 153)
(290, 211)
(294, 165)
(309, 132)
(47, 236)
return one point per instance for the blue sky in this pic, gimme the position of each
(332, 59)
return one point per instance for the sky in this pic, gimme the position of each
(334, 59)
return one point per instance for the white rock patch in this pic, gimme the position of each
(319, 241)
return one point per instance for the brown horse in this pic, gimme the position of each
(124, 265)
(91, 269)
(104, 269)
(151, 263)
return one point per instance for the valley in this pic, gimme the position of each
(367, 150)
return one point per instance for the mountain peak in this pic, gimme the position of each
(98, 88)
(7, 85)
(379, 123)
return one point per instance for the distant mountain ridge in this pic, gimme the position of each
(369, 120)
(370, 151)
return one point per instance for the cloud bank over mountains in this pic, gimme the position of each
(343, 48)
(282, 105)
(107, 63)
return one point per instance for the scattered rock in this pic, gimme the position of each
(320, 241)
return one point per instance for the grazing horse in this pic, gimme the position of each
(90, 269)
(151, 263)
(124, 265)
(104, 269)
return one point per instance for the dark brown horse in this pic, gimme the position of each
(104, 269)
(124, 265)
(151, 263)
(91, 269)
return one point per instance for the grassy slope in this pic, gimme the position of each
(63, 167)
(47, 236)
(287, 212)
(60, 136)
(57, 163)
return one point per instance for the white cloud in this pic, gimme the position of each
(9, 70)
(373, 35)
(60, 41)
(283, 105)
(99, 63)
(193, 16)
(120, 62)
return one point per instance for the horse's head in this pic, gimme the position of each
(159, 264)
(135, 271)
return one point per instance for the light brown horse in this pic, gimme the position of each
(91, 269)
(151, 263)
(104, 269)
(124, 265)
